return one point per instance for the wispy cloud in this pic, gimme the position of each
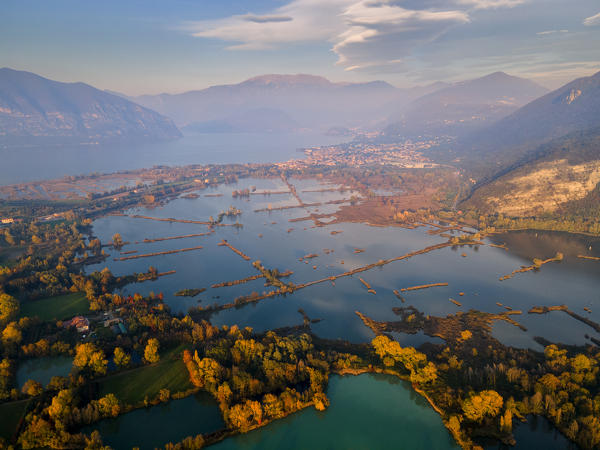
(378, 35)
(491, 4)
(381, 34)
(544, 33)
(592, 21)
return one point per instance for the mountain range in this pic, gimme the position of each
(305, 101)
(543, 158)
(460, 108)
(32, 107)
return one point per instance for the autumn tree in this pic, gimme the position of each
(121, 358)
(9, 308)
(483, 405)
(151, 351)
(88, 356)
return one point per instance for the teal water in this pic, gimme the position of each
(148, 428)
(43, 369)
(538, 432)
(366, 412)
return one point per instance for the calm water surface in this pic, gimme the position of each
(366, 412)
(43, 369)
(575, 282)
(148, 428)
(22, 164)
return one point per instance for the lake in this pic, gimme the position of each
(22, 164)
(366, 412)
(148, 428)
(43, 369)
(573, 281)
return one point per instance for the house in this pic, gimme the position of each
(79, 322)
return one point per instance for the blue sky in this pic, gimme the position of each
(152, 46)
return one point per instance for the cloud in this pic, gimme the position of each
(267, 19)
(381, 34)
(305, 21)
(491, 4)
(544, 33)
(592, 21)
(363, 33)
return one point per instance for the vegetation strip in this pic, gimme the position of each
(565, 308)
(423, 286)
(167, 252)
(147, 241)
(224, 243)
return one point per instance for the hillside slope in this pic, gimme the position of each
(33, 106)
(463, 107)
(562, 178)
(573, 107)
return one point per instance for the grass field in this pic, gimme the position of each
(132, 386)
(56, 308)
(10, 414)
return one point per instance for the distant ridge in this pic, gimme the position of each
(309, 101)
(463, 107)
(32, 106)
(573, 107)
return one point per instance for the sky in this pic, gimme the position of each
(153, 46)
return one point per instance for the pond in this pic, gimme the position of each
(43, 369)
(156, 426)
(366, 412)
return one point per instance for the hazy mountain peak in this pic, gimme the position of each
(286, 80)
(31, 105)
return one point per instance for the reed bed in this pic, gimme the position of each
(423, 286)
(149, 255)
(224, 243)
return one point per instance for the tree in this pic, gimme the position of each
(117, 240)
(151, 351)
(121, 358)
(32, 388)
(91, 357)
(9, 308)
(485, 404)
(12, 333)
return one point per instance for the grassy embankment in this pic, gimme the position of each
(56, 308)
(132, 386)
(11, 414)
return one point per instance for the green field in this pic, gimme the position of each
(56, 308)
(133, 386)
(10, 414)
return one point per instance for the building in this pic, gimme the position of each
(79, 322)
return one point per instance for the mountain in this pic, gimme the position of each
(265, 120)
(32, 106)
(460, 108)
(308, 101)
(573, 107)
(560, 177)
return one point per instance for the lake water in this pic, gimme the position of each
(22, 164)
(574, 281)
(43, 369)
(366, 412)
(153, 427)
